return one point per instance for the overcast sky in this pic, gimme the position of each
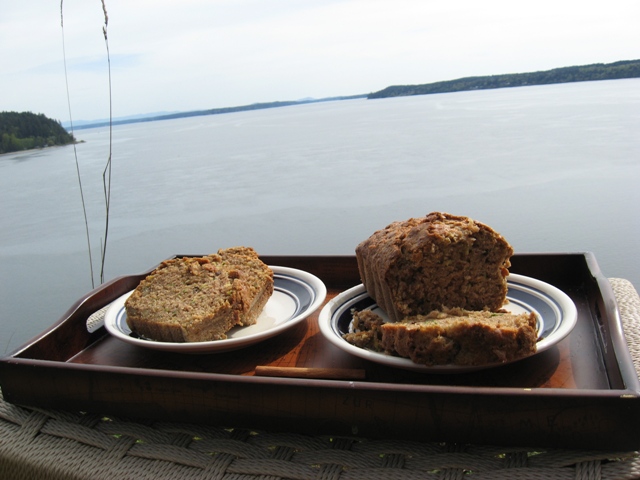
(181, 55)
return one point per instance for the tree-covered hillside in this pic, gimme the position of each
(584, 73)
(26, 130)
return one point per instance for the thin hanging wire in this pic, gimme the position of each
(106, 174)
(75, 152)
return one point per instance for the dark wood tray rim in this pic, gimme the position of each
(337, 384)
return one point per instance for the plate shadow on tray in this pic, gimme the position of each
(243, 361)
(235, 362)
(533, 372)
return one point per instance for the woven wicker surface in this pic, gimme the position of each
(39, 444)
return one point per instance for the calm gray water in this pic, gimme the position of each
(553, 168)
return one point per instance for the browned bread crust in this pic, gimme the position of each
(439, 261)
(195, 299)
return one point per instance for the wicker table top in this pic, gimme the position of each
(43, 444)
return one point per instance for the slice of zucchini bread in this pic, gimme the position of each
(439, 261)
(196, 299)
(450, 337)
(462, 337)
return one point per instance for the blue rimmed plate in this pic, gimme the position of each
(556, 313)
(296, 295)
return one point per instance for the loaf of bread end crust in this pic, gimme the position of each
(415, 266)
(196, 299)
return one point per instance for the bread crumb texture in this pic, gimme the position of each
(195, 299)
(439, 261)
(454, 336)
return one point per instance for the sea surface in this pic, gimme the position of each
(553, 168)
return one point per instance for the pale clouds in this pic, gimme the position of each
(197, 54)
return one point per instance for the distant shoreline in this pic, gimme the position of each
(20, 131)
(215, 111)
(583, 73)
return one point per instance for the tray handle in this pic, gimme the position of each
(71, 333)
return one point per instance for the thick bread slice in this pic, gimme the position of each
(462, 337)
(195, 299)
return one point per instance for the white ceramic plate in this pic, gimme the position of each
(556, 312)
(296, 295)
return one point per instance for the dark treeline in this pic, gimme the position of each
(26, 130)
(584, 73)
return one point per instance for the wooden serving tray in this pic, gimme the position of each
(582, 393)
